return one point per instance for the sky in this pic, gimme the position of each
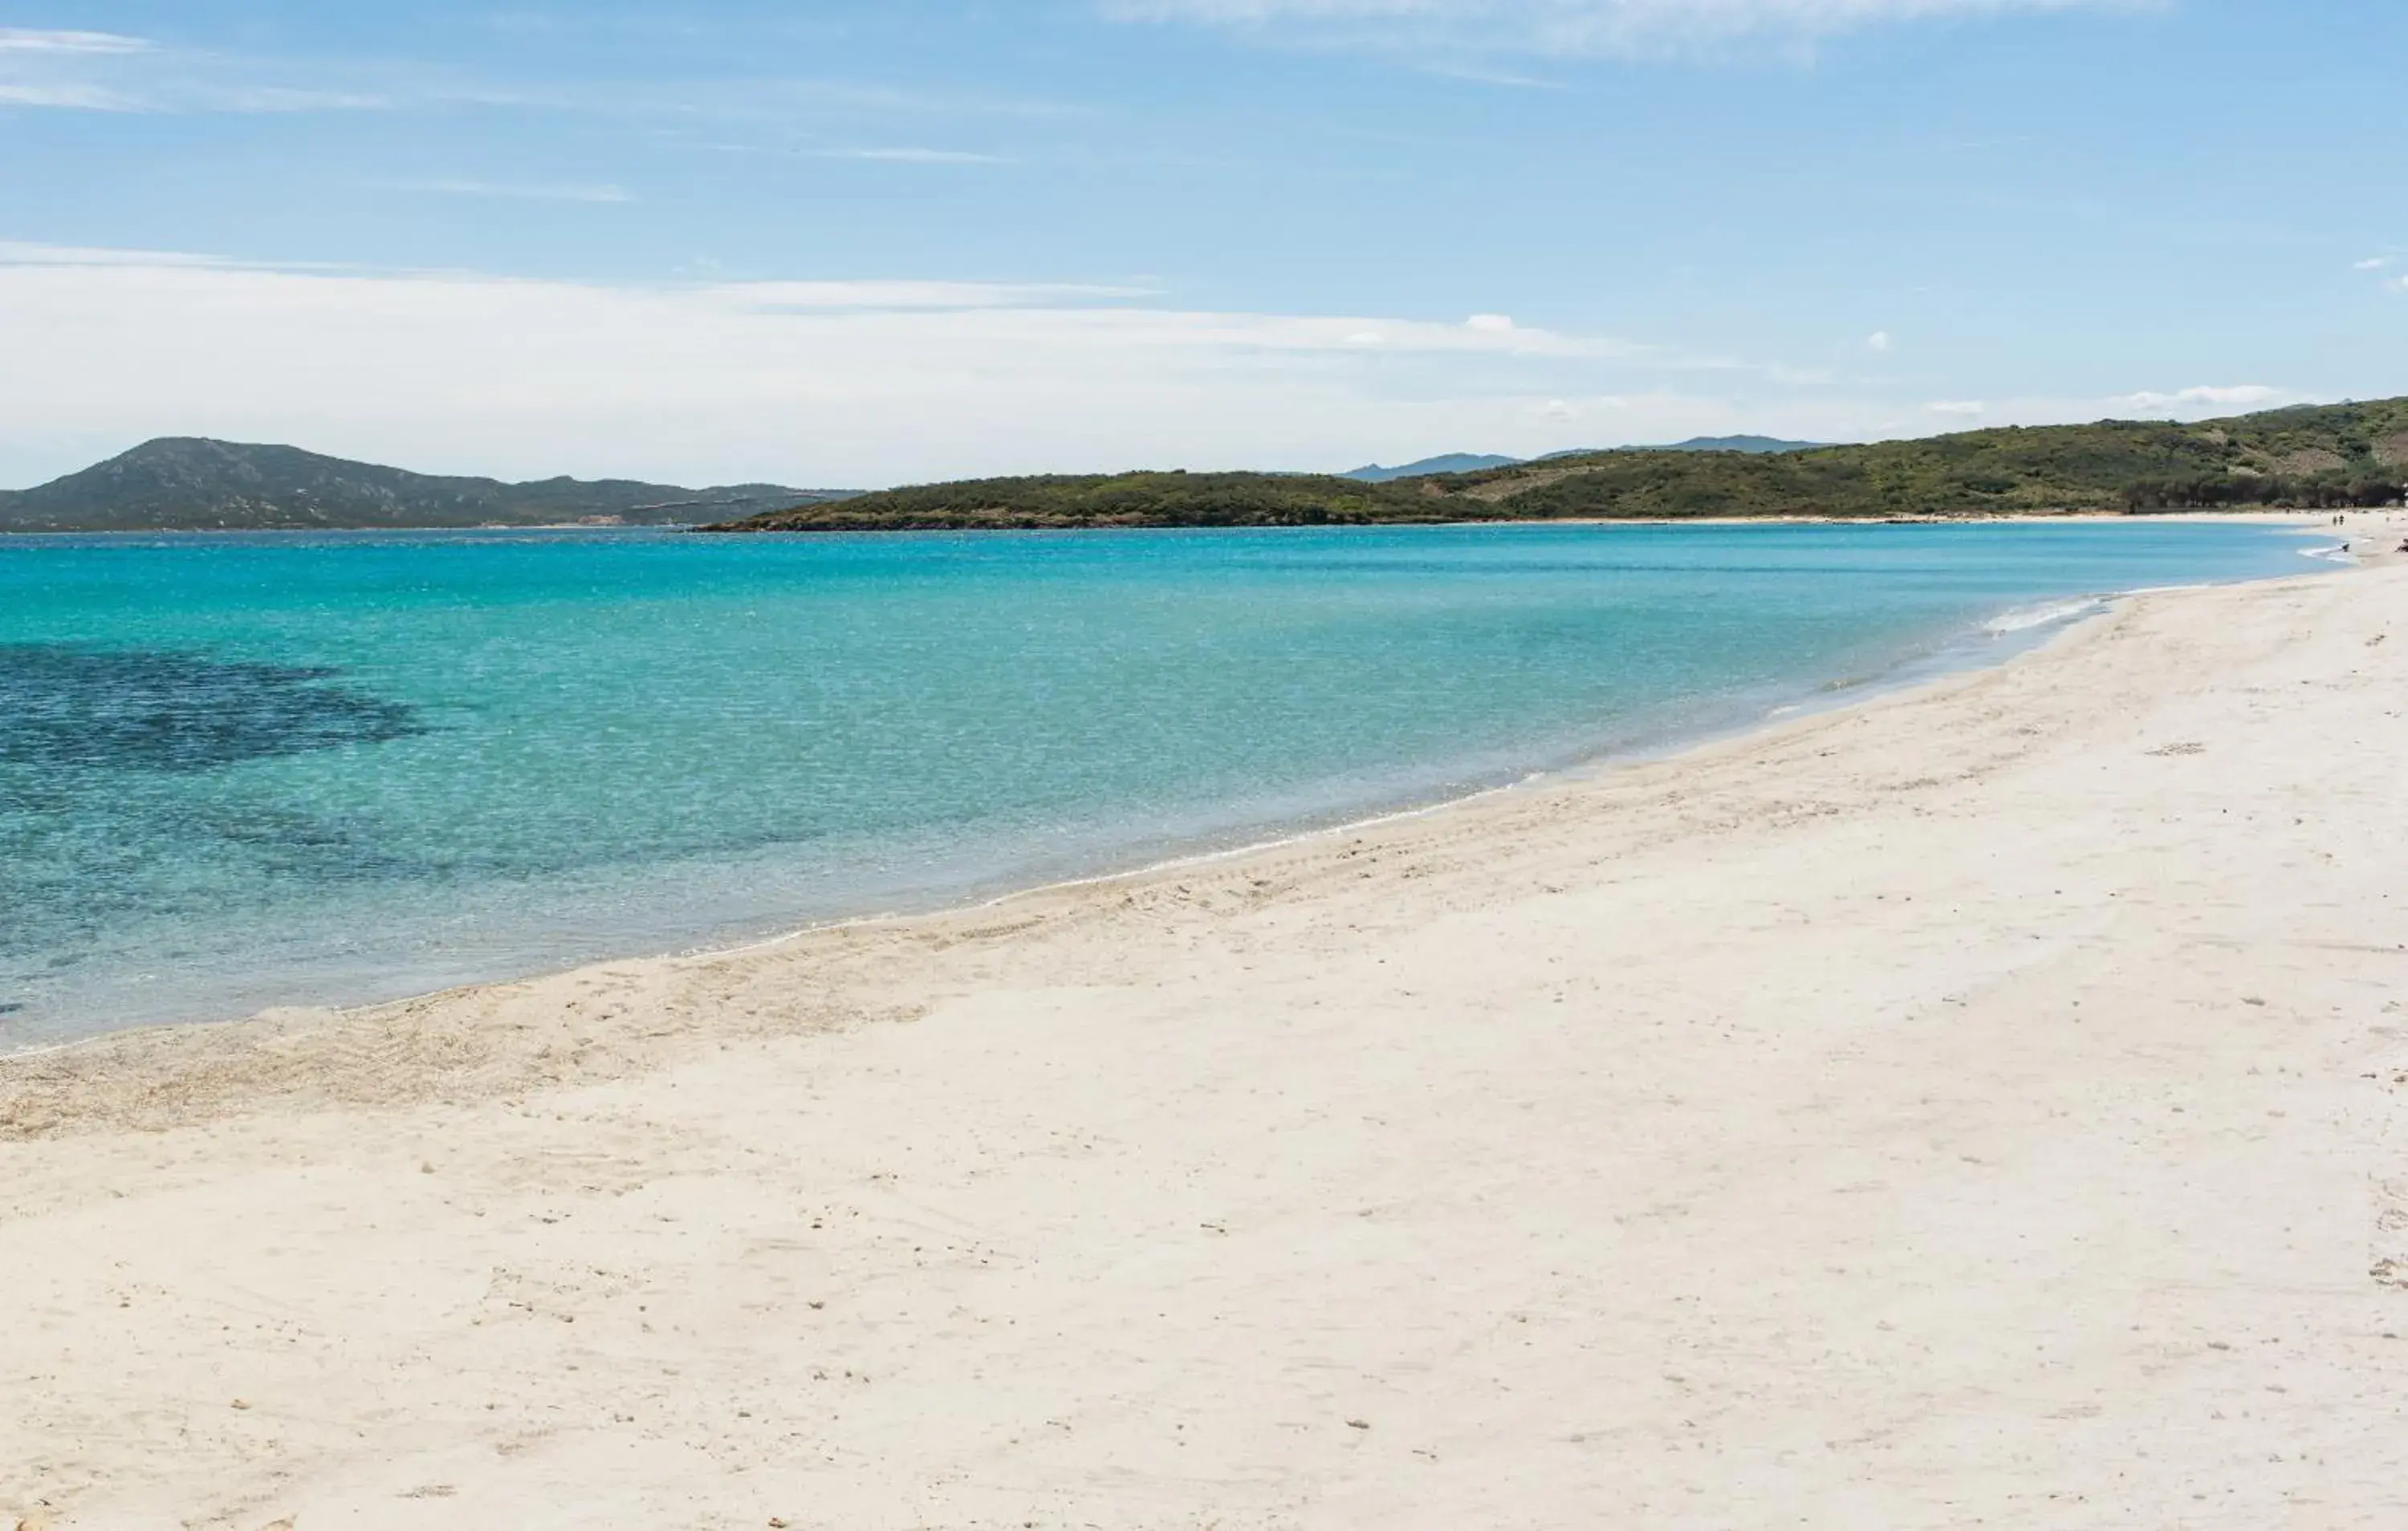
(852, 244)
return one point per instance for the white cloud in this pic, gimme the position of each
(909, 296)
(1570, 28)
(16, 252)
(2373, 263)
(106, 71)
(1504, 79)
(1878, 341)
(1866, 421)
(56, 70)
(847, 382)
(14, 40)
(2398, 285)
(2242, 396)
(70, 96)
(84, 95)
(912, 156)
(852, 382)
(1490, 323)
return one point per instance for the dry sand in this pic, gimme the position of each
(1987, 1106)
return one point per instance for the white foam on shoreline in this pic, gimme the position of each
(2024, 619)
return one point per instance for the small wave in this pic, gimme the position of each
(2023, 619)
(2338, 553)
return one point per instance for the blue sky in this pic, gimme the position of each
(858, 244)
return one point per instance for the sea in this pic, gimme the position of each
(240, 771)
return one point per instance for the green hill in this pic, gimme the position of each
(2312, 456)
(191, 483)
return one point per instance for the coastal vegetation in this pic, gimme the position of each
(2312, 456)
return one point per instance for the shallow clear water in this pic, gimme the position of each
(245, 770)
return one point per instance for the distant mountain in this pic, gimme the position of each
(1736, 443)
(191, 483)
(1699, 443)
(2323, 456)
(1454, 462)
(1466, 462)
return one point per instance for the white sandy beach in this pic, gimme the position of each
(1985, 1107)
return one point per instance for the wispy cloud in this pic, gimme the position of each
(906, 155)
(14, 40)
(447, 186)
(273, 98)
(69, 71)
(874, 296)
(1566, 28)
(67, 97)
(2235, 396)
(865, 381)
(108, 71)
(18, 253)
(2376, 265)
(846, 381)
(1475, 75)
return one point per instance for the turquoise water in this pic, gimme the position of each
(238, 771)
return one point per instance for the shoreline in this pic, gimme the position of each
(1905, 673)
(2361, 550)
(1981, 1102)
(1765, 729)
(2271, 516)
(1905, 676)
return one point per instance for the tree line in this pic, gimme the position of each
(2209, 492)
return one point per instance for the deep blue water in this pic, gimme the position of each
(244, 770)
